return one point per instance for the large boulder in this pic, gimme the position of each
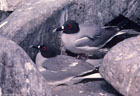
(121, 67)
(102, 11)
(18, 74)
(9, 5)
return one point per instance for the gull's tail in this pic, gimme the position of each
(123, 23)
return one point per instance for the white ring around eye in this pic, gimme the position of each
(62, 27)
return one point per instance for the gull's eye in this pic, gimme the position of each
(44, 48)
(70, 26)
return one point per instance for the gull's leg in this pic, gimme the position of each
(82, 56)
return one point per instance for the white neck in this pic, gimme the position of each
(39, 60)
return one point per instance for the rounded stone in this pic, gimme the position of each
(121, 67)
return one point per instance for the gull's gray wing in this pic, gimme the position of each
(95, 37)
(67, 63)
(70, 69)
(61, 62)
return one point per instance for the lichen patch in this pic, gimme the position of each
(28, 66)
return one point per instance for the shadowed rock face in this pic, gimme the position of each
(121, 67)
(7, 7)
(18, 74)
(4, 15)
(102, 11)
(91, 88)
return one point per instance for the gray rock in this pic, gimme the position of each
(9, 5)
(101, 12)
(18, 74)
(90, 88)
(4, 15)
(121, 67)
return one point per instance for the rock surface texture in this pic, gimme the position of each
(101, 11)
(18, 74)
(4, 15)
(91, 88)
(121, 67)
(9, 5)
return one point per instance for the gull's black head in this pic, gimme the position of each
(47, 50)
(69, 27)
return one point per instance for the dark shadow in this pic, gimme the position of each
(108, 88)
(4, 14)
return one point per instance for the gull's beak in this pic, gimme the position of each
(35, 47)
(58, 29)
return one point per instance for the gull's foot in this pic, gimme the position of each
(82, 57)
